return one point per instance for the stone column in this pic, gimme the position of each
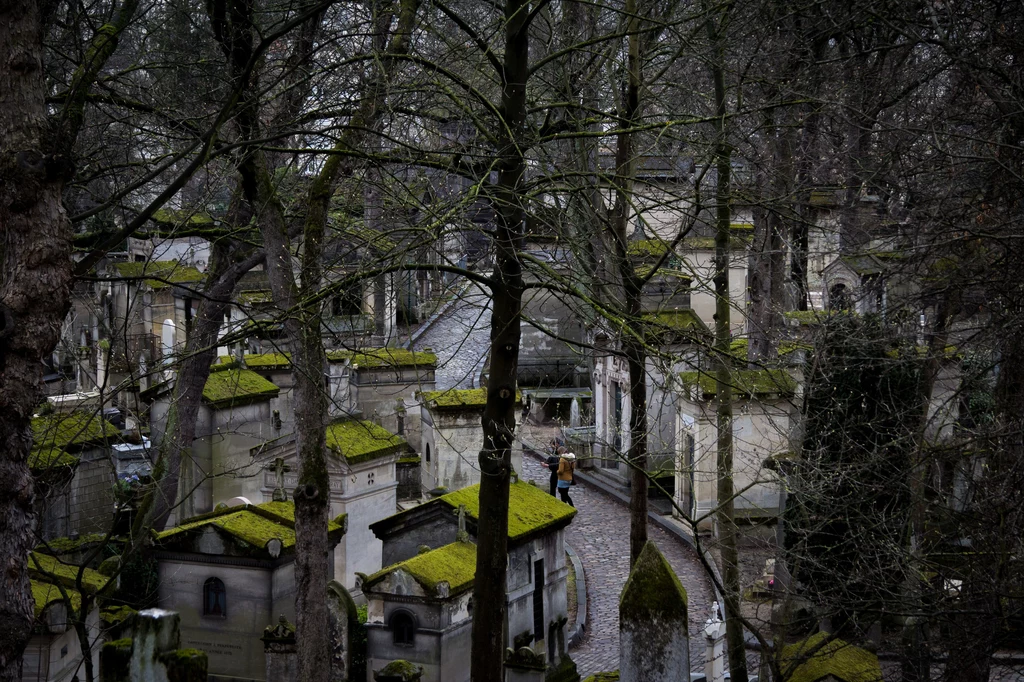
(653, 634)
(152, 653)
(280, 651)
(714, 659)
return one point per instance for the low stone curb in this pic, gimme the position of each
(441, 312)
(580, 631)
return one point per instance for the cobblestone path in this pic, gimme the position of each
(600, 535)
(460, 339)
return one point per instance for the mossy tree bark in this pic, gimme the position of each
(725, 517)
(488, 635)
(36, 161)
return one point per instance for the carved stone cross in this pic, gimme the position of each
(462, 535)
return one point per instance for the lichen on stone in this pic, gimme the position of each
(268, 360)
(49, 568)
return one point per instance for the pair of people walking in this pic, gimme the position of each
(562, 464)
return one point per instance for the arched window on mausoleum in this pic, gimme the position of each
(215, 598)
(403, 628)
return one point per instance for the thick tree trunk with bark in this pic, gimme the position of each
(488, 635)
(35, 289)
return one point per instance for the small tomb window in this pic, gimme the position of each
(403, 628)
(215, 598)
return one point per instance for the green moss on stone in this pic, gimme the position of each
(186, 665)
(172, 217)
(268, 360)
(604, 677)
(115, 660)
(676, 320)
(809, 317)
(412, 459)
(117, 615)
(67, 545)
(255, 525)
(653, 590)
(255, 297)
(456, 398)
(237, 387)
(164, 273)
(50, 568)
(529, 508)
(377, 358)
(647, 248)
(816, 658)
(48, 459)
(454, 564)
(45, 593)
(403, 669)
(361, 441)
(752, 382)
(65, 430)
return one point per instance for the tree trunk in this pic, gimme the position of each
(488, 636)
(723, 377)
(35, 289)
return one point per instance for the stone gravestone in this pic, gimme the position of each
(342, 618)
(524, 665)
(281, 652)
(653, 636)
(714, 659)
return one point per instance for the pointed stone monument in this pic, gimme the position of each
(653, 634)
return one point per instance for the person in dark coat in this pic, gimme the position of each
(552, 465)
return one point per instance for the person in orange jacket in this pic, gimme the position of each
(566, 466)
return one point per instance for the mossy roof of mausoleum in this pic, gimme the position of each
(268, 360)
(454, 564)
(378, 358)
(815, 658)
(253, 524)
(161, 273)
(684, 320)
(361, 441)
(530, 509)
(67, 430)
(237, 387)
(458, 398)
(44, 594)
(47, 568)
(749, 382)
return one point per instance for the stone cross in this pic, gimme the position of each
(462, 535)
(653, 633)
(279, 470)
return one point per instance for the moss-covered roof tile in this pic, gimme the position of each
(164, 273)
(377, 358)
(653, 589)
(456, 398)
(268, 360)
(744, 381)
(360, 440)
(255, 525)
(48, 568)
(676, 320)
(454, 564)
(647, 248)
(44, 594)
(237, 387)
(60, 430)
(48, 459)
(529, 508)
(815, 658)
